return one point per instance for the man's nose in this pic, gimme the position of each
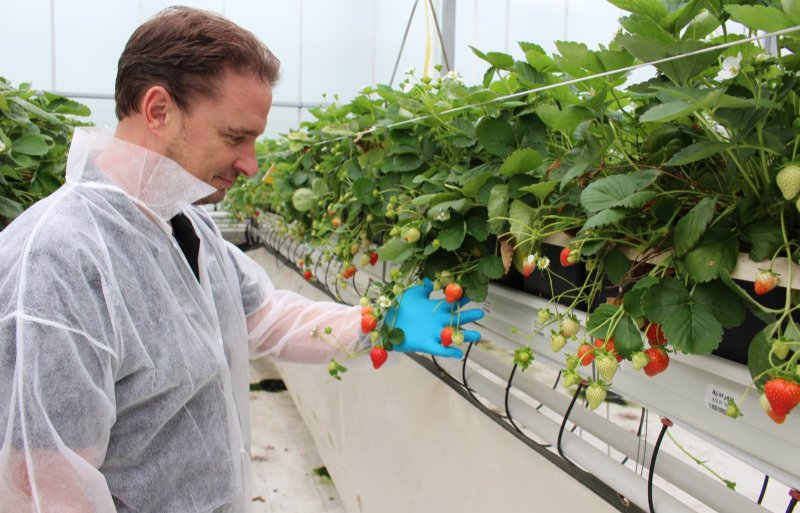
(247, 164)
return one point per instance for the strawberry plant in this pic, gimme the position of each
(655, 190)
(35, 129)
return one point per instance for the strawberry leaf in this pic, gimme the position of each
(521, 161)
(616, 265)
(496, 137)
(716, 253)
(690, 327)
(599, 322)
(395, 250)
(758, 356)
(727, 307)
(692, 226)
(451, 238)
(492, 267)
(498, 206)
(633, 298)
(627, 337)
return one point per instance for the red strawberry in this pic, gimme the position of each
(336, 222)
(766, 280)
(529, 266)
(569, 257)
(609, 346)
(373, 258)
(366, 310)
(782, 394)
(378, 355)
(659, 360)
(585, 354)
(307, 275)
(655, 335)
(349, 272)
(368, 323)
(447, 335)
(453, 292)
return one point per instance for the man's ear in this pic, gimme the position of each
(159, 110)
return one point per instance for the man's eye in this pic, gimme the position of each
(236, 139)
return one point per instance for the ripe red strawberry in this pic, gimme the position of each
(453, 292)
(528, 266)
(447, 335)
(368, 323)
(349, 272)
(366, 310)
(373, 258)
(585, 354)
(307, 275)
(655, 335)
(659, 360)
(378, 355)
(569, 257)
(336, 222)
(782, 394)
(609, 346)
(766, 280)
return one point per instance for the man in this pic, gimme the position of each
(126, 322)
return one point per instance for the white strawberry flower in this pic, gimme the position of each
(384, 302)
(730, 68)
(543, 262)
(407, 87)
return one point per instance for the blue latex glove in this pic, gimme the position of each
(422, 320)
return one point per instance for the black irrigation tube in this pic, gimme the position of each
(665, 424)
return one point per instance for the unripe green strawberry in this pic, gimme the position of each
(788, 180)
(569, 326)
(572, 361)
(457, 337)
(780, 348)
(543, 316)
(523, 356)
(571, 378)
(364, 301)
(373, 336)
(595, 394)
(557, 342)
(606, 366)
(733, 410)
(639, 360)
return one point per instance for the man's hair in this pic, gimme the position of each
(187, 51)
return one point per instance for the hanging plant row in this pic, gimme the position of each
(655, 189)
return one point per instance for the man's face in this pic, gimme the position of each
(215, 141)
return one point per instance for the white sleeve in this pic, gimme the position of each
(56, 411)
(289, 326)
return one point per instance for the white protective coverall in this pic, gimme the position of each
(124, 380)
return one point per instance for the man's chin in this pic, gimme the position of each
(215, 197)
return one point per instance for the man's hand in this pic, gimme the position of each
(422, 320)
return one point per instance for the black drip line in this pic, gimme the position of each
(564, 422)
(763, 490)
(665, 424)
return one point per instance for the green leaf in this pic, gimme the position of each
(792, 9)
(716, 253)
(651, 9)
(690, 327)
(727, 307)
(633, 298)
(492, 267)
(697, 151)
(575, 171)
(9, 208)
(396, 336)
(701, 26)
(627, 337)
(522, 218)
(566, 120)
(605, 217)
(521, 161)
(764, 237)
(541, 190)
(498, 207)
(35, 145)
(496, 137)
(693, 225)
(451, 238)
(758, 356)
(478, 227)
(428, 200)
(476, 286)
(612, 191)
(371, 157)
(441, 211)
(362, 190)
(616, 265)
(646, 27)
(395, 250)
(667, 111)
(759, 17)
(402, 163)
(599, 322)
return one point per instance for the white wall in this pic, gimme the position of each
(333, 47)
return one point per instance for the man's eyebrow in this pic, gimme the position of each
(242, 131)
